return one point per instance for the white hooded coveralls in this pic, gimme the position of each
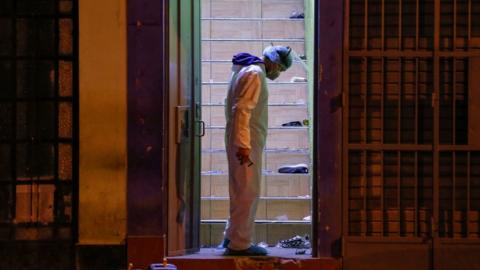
(246, 112)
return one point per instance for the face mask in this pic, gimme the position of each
(273, 75)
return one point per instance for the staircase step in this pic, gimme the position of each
(272, 185)
(269, 209)
(211, 234)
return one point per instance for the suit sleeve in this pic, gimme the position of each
(247, 93)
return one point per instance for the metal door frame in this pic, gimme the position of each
(183, 239)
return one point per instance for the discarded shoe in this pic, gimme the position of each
(298, 79)
(295, 242)
(292, 124)
(224, 243)
(297, 15)
(251, 251)
(301, 251)
(305, 122)
(298, 168)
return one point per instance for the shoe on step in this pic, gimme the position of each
(251, 251)
(224, 243)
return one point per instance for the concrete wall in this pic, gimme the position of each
(102, 91)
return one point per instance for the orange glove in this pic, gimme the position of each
(243, 155)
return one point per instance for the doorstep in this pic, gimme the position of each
(212, 259)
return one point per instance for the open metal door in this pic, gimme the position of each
(185, 127)
(411, 186)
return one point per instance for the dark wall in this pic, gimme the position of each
(146, 137)
(105, 257)
(327, 117)
(36, 255)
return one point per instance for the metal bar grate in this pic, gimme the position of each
(459, 194)
(408, 119)
(390, 101)
(38, 62)
(397, 204)
(454, 101)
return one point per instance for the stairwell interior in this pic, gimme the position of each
(229, 27)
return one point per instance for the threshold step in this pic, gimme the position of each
(208, 259)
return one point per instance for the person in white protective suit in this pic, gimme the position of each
(246, 112)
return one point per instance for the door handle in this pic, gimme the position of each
(202, 128)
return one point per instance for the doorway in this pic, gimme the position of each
(203, 36)
(284, 209)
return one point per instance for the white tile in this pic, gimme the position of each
(277, 160)
(288, 185)
(217, 161)
(283, 29)
(236, 8)
(296, 70)
(260, 233)
(206, 72)
(206, 94)
(206, 53)
(219, 187)
(205, 6)
(281, 8)
(278, 115)
(214, 94)
(205, 234)
(293, 209)
(224, 50)
(205, 209)
(290, 138)
(205, 185)
(287, 93)
(213, 115)
(206, 29)
(221, 71)
(236, 29)
(213, 139)
(219, 209)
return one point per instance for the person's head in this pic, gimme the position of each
(277, 59)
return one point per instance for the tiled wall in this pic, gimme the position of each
(229, 27)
